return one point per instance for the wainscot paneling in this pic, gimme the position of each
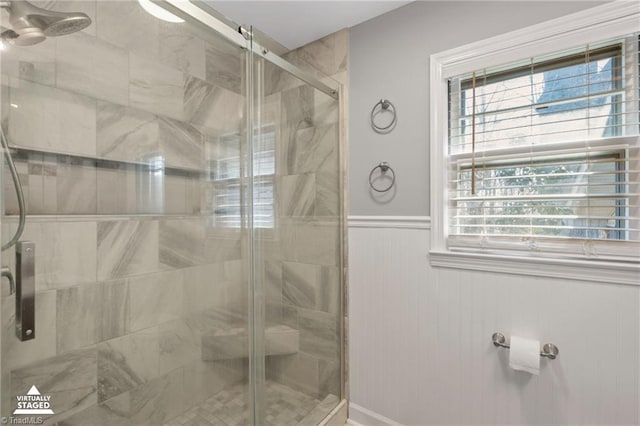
(420, 339)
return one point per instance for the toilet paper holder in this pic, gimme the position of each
(549, 350)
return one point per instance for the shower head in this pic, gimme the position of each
(33, 24)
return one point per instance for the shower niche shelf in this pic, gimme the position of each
(111, 163)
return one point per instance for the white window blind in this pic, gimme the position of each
(543, 154)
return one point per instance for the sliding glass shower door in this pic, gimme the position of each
(183, 196)
(297, 251)
(130, 142)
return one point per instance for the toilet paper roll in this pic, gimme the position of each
(524, 355)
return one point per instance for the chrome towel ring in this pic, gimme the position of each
(384, 168)
(384, 105)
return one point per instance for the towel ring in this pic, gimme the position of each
(385, 105)
(384, 168)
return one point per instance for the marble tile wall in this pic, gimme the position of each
(129, 88)
(136, 323)
(115, 126)
(124, 299)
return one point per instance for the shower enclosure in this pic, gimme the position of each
(183, 190)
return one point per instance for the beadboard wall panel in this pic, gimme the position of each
(420, 340)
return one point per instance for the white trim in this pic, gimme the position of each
(584, 270)
(405, 222)
(595, 24)
(366, 417)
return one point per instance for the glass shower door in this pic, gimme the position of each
(130, 141)
(297, 216)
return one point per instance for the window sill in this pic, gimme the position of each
(585, 270)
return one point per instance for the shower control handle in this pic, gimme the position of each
(6, 272)
(25, 290)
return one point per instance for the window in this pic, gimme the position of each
(229, 187)
(541, 153)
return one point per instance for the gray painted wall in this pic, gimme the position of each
(389, 58)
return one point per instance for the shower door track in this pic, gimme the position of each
(239, 35)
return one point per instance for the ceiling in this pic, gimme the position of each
(296, 23)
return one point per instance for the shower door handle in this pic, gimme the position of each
(25, 290)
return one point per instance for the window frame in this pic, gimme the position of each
(608, 21)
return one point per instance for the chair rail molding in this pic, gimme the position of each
(400, 222)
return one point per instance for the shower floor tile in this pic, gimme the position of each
(229, 407)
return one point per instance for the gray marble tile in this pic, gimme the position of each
(179, 344)
(134, 194)
(227, 344)
(70, 379)
(328, 193)
(127, 362)
(127, 247)
(311, 286)
(182, 50)
(181, 144)
(204, 379)
(277, 80)
(297, 195)
(181, 195)
(182, 242)
(329, 377)
(309, 149)
(224, 66)
(76, 186)
(326, 110)
(297, 234)
(10, 197)
(78, 317)
(49, 183)
(35, 195)
(51, 119)
(127, 25)
(159, 400)
(17, 354)
(319, 334)
(281, 340)
(65, 252)
(328, 54)
(216, 110)
(154, 299)
(220, 248)
(126, 134)
(300, 371)
(87, 65)
(34, 63)
(106, 414)
(90, 313)
(205, 287)
(298, 107)
(272, 280)
(115, 309)
(155, 87)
